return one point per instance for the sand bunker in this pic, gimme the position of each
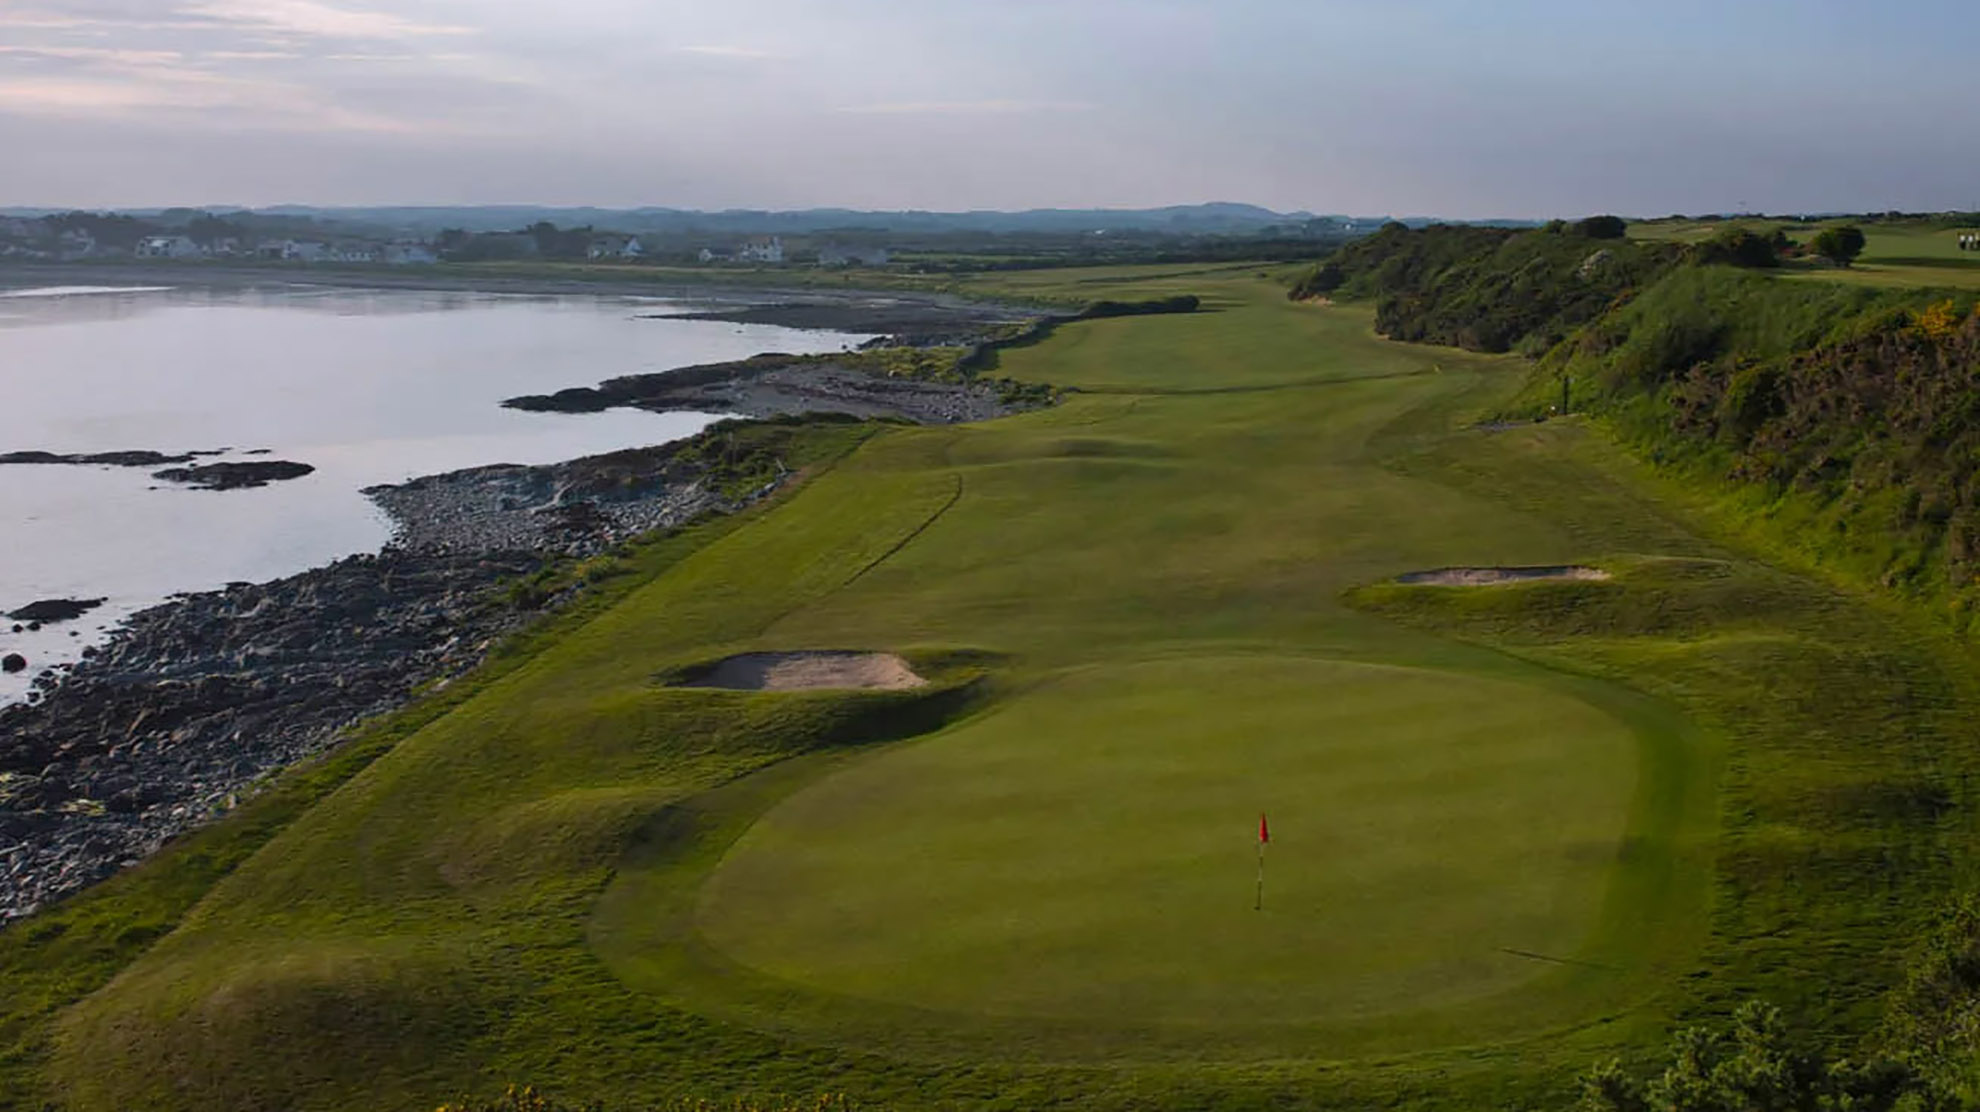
(1485, 577)
(809, 671)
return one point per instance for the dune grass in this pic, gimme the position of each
(1659, 777)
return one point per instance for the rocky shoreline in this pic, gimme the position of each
(778, 385)
(191, 704)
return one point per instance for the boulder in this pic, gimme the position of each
(55, 609)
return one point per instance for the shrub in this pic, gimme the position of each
(1319, 282)
(1602, 227)
(1182, 303)
(1742, 247)
(1757, 1067)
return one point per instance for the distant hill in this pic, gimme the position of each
(1208, 219)
(1216, 218)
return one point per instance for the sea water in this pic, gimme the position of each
(367, 386)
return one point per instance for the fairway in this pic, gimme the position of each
(1088, 852)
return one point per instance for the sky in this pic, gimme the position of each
(1517, 108)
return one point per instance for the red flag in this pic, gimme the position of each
(1264, 832)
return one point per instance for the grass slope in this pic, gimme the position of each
(511, 892)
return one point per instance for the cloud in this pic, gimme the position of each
(739, 52)
(965, 107)
(113, 55)
(122, 83)
(307, 17)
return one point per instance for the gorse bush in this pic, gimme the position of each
(1743, 247)
(1758, 1067)
(1489, 289)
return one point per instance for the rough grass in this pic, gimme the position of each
(446, 921)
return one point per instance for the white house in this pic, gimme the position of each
(351, 252)
(296, 250)
(167, 247)
(833, 255)
(710, 255)
(761, 249)
(613, 246)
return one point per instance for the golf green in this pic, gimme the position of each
(1088, 851)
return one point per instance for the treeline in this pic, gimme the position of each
(123, 231)
(1501, 289)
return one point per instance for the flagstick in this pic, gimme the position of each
(1259, 904)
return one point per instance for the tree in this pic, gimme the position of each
(1840, 245)
(1602, 227)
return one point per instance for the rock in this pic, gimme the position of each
(193, 701)
(55, 610)
(235, 476)
(107, 459)
(12, 663)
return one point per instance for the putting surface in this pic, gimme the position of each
(1087, 852)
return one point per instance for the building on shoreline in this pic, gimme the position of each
(168, 247)
(614, 246)
(761, 249)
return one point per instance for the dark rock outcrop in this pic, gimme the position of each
(55, 610)
(106, 459)
(235, 476)
(777, 385)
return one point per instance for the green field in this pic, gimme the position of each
(1895, 255)
(1512, 825)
